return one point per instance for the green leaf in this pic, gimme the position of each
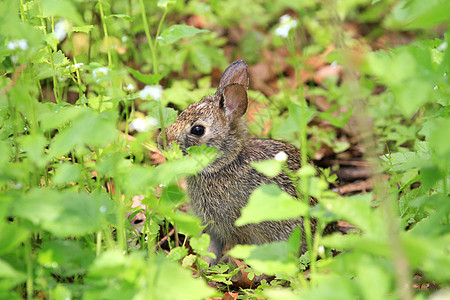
(273, 258)
(269, 167)
(65, 257)
(269, 203)
(61, 8)
(403, 71)
(52, 116)
(9, 277)
(34, 146)
(64, 213)
(100, 103)
(117, 276)
(181, 284)
(189, 260)
(200, 244)
(121, 16)
(85, 28)
(176, 32)
(418, 14)
(201, 59)
(358, 211)
(89, 128)
(67, 173)
(148, 79)
(177, 253)
(173, 171)
(12, 237)
(61, 291)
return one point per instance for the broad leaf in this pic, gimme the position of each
(270, 203)
(176, 32)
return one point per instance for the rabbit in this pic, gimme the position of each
(222, 189)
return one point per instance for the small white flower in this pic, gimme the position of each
(61, 29)
(321, 250)
(435, 87)
(78, 65)
(12, 45)
(23, 44)
(130, 87)
(102, 209)
(442, 47)
(14, 58)
(162, 185)
(17, 185)
(124, 39)
(20, 44)
(143, 124)
(286, 24)
(281, 156)
(100, 72)
(153, 92)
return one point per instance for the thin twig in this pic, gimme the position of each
(165, 238)
(14, 80)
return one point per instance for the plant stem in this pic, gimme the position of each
(22, 11)
(121, 235)
(149, 38)
(304, 181)
(98, 249)
(29, 264)
(105, 32)
(80, 90)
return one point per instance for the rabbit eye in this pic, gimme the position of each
(198, 130)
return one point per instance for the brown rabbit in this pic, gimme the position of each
(221, 190)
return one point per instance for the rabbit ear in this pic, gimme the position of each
(236, 73)
(235, 101)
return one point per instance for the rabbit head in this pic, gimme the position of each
(216, 120)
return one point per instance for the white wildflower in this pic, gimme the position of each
(78, 65)
(61, 29)
(143, 124)
(321, 250)
(23, 44)
(153, 92)
(12, 45)
(124, 39)
(130, 87)
(281, 156)
(14, 58)
(442, 47)
(100, 72)
(20, 44)
(286, 24)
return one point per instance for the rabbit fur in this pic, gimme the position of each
(222, 189)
